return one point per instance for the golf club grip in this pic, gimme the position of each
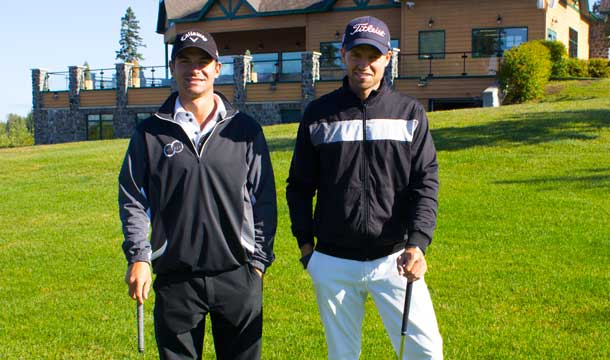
(140, 315)
(405, 312)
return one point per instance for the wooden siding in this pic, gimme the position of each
(95, 98)
(560, 19)
(216, 10)
(443, 88)
(56, 99)
(227, 90)
(324, 87)
(265, 92)
(147, 96)
(322, 27)
(449, 15)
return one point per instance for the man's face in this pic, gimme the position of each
(195, 72)
(365, 66)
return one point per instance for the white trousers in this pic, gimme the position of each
(342, 287)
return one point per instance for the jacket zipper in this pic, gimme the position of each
(191, 140)
(365, 201)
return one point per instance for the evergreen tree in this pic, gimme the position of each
(130, 38)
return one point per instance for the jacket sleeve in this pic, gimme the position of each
(302, 184)
(133, 202)
(261, 188)
(423, 185)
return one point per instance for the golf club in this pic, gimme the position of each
(140, 316)
(405, 319)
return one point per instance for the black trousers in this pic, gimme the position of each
(234, 301)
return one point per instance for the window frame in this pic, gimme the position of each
(423, 55)
(499, 51)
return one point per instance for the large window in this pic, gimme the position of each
(226, 72)
(573, 43)
(493, 42)
(432, 44)
(100, 127)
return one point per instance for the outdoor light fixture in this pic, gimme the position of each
(337, 34)
(499, 19)
(430, 22)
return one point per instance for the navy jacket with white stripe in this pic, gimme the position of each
(373, 167)
(212, 209)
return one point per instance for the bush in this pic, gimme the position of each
(577, 67)
(525, 72)
(15, 132)
(559, 55)
(599, 68)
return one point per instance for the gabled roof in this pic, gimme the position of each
(195, 10)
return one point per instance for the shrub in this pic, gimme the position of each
(15, 132)
(525, 72)
(599, 68)
(577, 67)
(559, 55)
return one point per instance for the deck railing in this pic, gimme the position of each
(446, 64)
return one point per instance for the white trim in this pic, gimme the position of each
(157, 253)
(351, 130)
(247, 245)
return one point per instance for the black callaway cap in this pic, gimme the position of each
(195, 39)
(367, 30)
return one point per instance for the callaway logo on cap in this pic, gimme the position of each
(196, 39)
(367, 30)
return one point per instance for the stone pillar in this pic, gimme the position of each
(391, 71)
(74, 127)
(242, 72)
(310, 73)
(38, 83)
(122, 124)
(77, 79)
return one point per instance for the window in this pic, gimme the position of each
(100, 127)
(551, 35)
(291, 62)
(432, 44)
(493, 42)
(573, 43)
(226, 71)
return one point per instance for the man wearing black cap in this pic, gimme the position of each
(368, 154)
(199, 172)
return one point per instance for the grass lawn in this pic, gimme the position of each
(519, 267)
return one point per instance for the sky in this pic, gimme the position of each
(56, 34)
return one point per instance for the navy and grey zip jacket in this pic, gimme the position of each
(210, 209)
(373, 166)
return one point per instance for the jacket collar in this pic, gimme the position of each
(373, 96)
(166, 111)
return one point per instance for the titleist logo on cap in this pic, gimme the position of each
(193, 36)
(366, 27)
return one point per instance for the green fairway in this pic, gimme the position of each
(519, 267)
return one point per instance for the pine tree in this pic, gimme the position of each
(130, 38)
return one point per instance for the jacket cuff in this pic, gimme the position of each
(303, 240)
(419, 239)
(259, 265)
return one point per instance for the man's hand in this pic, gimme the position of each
(258, 272)
(306, 252)
(412, 264)
(138, 279)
